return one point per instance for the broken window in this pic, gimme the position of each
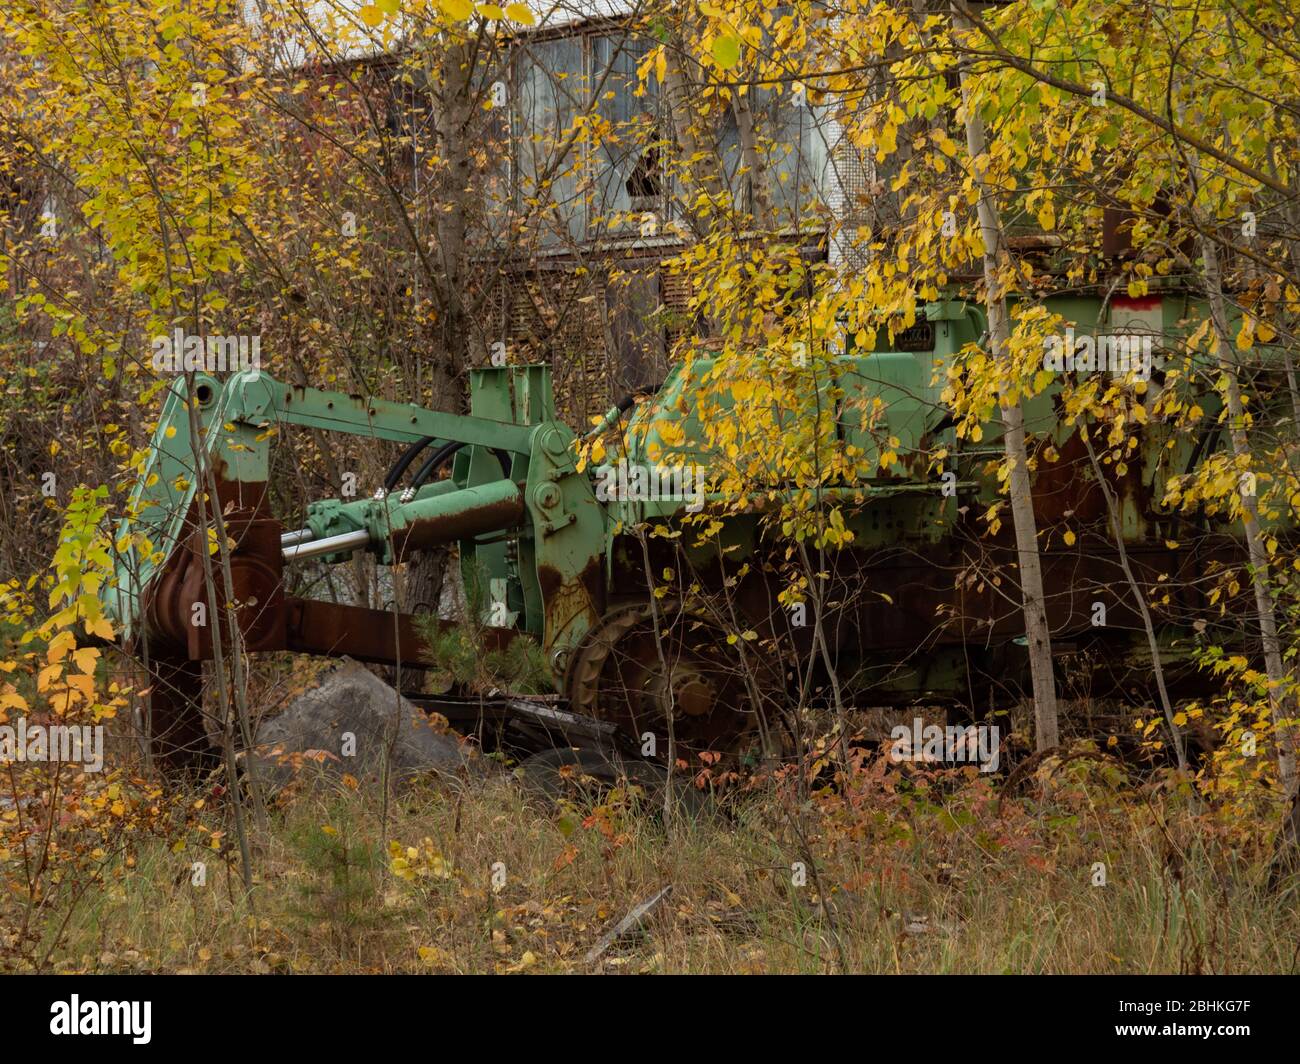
(605, 181)
(613, 179)
(627, 168)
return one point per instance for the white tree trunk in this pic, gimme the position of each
(1046, 726)
(1255, 549)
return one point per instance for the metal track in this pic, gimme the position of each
(677, 673)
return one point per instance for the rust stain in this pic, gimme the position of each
(432, 532)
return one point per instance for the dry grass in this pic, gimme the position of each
(915, 873)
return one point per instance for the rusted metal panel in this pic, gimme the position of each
(382, 637)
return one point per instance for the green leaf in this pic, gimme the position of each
(726, 51)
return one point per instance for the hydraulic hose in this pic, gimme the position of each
(615, 413)
(446, 451)
(408, 456)
(434, 461)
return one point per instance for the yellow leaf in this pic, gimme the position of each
(82, 684)
(888, 143)
(457, 9)
(10, 697)
(1069, 537)
(85, 659)
(47, 676)
(59, 646)
(520, 13)
(99, 626)
(371, 15)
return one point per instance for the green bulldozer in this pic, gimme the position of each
(922, 608)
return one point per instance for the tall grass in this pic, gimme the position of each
(918, 872)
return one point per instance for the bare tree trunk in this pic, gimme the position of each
(1046, 727)
(455, 112)
(1255, 550)
(698, 159)
(235, 708)
(747, 134)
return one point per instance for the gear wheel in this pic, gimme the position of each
(625, 672)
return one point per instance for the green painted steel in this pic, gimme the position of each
(512, 414)
(548, 572)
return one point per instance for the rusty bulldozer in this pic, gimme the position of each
(555, 558)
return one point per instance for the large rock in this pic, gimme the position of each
(343, 727)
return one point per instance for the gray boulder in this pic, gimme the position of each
(344, 726)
